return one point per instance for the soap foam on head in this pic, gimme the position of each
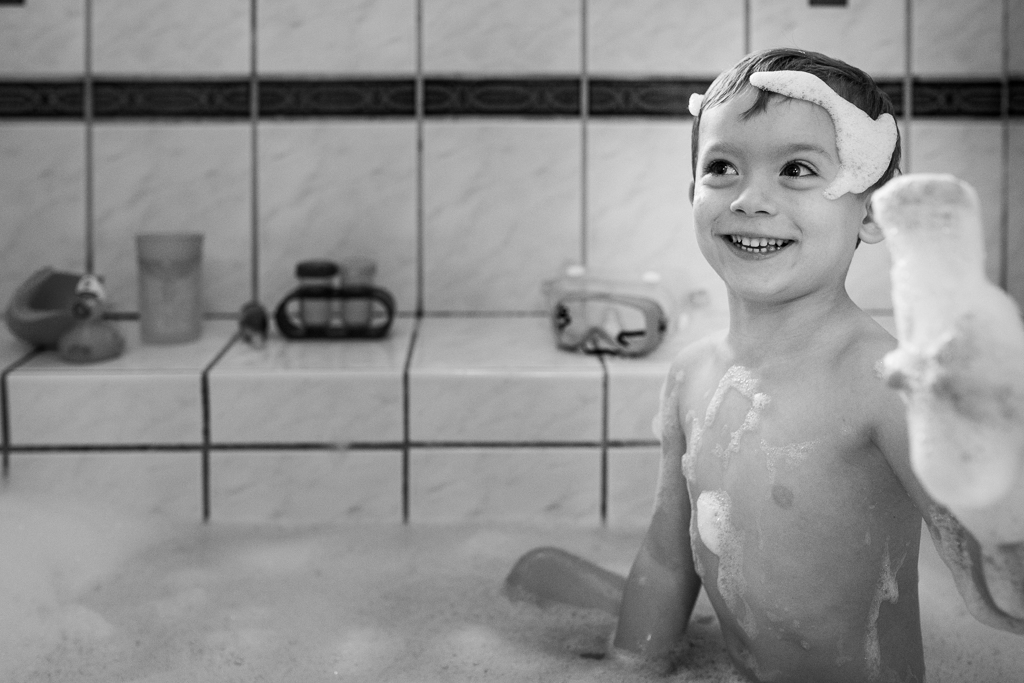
(865, 146)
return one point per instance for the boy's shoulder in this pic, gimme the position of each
(703, 350)
(866, 345)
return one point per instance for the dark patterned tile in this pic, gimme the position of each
(532, 97)
(42, 99)
(330, 98)
(204, 99)
(1017, 98)
(646, 97)
(956, 99)
(549, 97)
(894, 91)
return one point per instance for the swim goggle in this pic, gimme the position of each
(602, 322)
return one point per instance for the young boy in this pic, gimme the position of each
(785, 486)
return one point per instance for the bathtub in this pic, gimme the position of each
(90, 593)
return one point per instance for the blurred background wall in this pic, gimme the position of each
(472, 147)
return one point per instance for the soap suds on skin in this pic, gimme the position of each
(887, 590)
(740, 379)
(718, 534)
(788, 456)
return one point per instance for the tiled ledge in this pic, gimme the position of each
(447, 419)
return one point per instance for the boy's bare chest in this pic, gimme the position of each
(779, 446)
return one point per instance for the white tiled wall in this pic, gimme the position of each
(664, 37)
(173, 177)
(869, 34)
(497, 37)
(501, 212)
(493, 205)
(316, 203)
(331, 37)
(463, 215)
(180, 37)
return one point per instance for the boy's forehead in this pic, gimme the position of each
(786, 124)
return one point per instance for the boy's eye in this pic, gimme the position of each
(719, 167)
(796, 169)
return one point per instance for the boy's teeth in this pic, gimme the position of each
(758, 245)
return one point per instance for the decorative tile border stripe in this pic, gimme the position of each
(894, 90)
(204, 99)
(1017, 98)
(958, 98)
(651, 97)
(502, 97)
(338, 97)
(444, 97)
(42, 99)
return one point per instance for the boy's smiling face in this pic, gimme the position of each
(761, 219)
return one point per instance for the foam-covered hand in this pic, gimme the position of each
(959, 363)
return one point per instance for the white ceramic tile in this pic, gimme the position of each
(341, 391)
(500, 379)
(174, 177)
(634, 384)
(335, 190)
(515, 485)
(42, 38)
(502, 212)
(1015, 246)
(42, 200)
(498, 37)
(165, 483)
(632, 479)
(961, 38)
(149, 395)
(180, 37)
(971, 151)
(663, 37)
(1015, 30)
(327, 36)
(306, 486)
(639, 212)
(104, 408)
(868, 34)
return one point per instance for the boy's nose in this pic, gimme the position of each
(753, 199)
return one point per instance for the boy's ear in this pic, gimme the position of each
(869, 233)
(691, 192)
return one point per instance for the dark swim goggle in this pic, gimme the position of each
(605, 322)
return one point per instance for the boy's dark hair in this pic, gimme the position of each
(848, 81)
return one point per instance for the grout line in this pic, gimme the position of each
(88, 116)
(605, 409)
(1004, 204)
(746, 27)
(103, 447)
(406, 422)
(330, 446)
(504, 444)
(254, 115)
(204, 387)
(419, 104)
(5, 424)
(584, 135)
